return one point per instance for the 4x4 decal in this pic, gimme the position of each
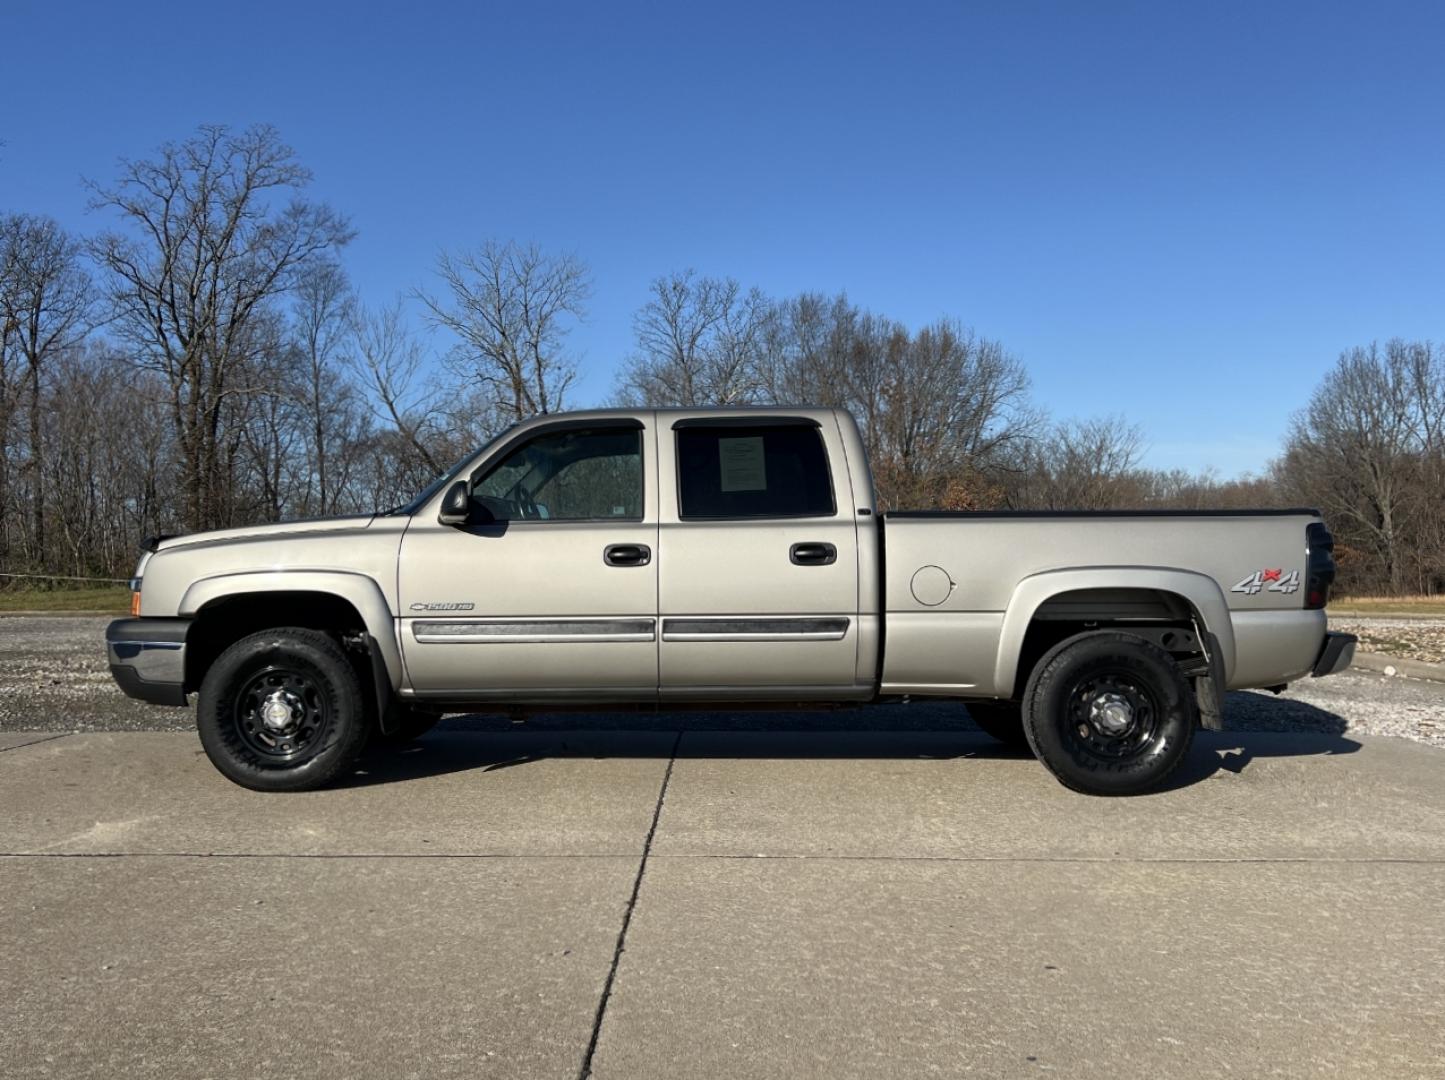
(1273, 580)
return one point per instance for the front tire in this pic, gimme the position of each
(282, 710)
(1109, 713)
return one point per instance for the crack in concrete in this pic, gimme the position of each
(36, 742)
(586, 1070)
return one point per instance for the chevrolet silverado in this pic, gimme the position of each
(679, 557)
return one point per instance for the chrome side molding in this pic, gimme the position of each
(530, 631)
(822, 628)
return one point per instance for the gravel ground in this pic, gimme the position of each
(53, 677)
(1414, 638)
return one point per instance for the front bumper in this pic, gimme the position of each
(1337, 653)
(148, 658)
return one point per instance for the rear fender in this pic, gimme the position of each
(1200, 591)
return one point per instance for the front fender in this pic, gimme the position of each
(361, 591)
(1199, 590)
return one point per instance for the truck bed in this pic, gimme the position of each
(958, 584)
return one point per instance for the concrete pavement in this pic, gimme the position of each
(721, 904)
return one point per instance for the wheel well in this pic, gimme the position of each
(223, 622)
(1165, 618)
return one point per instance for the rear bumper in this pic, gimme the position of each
(148, 658)
(1337, 653)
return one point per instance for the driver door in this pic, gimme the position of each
(551, 591)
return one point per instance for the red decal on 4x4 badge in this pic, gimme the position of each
(1275, 580)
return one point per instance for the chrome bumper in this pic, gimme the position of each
(148, 658)
(1337, 653)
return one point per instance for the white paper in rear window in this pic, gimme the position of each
(742, 463)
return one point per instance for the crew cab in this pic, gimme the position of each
(667, 557)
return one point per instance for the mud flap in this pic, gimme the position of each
(1209, 688)
(388, 716)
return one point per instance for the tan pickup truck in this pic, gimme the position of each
(662, 558)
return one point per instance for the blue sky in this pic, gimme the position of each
(1181, 213)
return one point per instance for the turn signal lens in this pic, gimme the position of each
(135, 604)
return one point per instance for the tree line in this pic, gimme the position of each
(204, 362)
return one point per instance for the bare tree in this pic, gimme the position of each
(323, 316)
(1088, 465)
(210, 246)
(940, 410)
(46, 305)
(388, 358)
(700, 342)
(953, 405)
(9, 392)
(1367, 450)
(510, 308)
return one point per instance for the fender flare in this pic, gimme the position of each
(1199, 590)
(359, 590)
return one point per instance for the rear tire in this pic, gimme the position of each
(282, 710)
(1108, 713)
(1003, 720)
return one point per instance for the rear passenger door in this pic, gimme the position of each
(758, 567)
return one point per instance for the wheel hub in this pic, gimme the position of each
(280, 710)
(1111, 713)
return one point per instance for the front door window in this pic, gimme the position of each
(584, 475)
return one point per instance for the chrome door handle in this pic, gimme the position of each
(627, 554)
(813, 554)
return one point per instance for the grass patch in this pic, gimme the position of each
(1388, 605)
(111, 599)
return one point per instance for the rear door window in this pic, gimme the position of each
(764, 471)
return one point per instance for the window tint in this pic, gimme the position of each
(568, 476)
(753, 472)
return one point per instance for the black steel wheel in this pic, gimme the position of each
(282, 710)
(1109, 713)
(1004, 720)
(281, 714)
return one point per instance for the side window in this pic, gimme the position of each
(581, 475)
(769, 471)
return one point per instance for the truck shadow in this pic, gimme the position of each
(1256, 726)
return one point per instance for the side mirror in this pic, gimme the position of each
(456, 505)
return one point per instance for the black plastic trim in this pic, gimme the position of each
(800, 554)
(616, 555)
(882, 601)
(1330, 658)
(148, 628)
(387, 718)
